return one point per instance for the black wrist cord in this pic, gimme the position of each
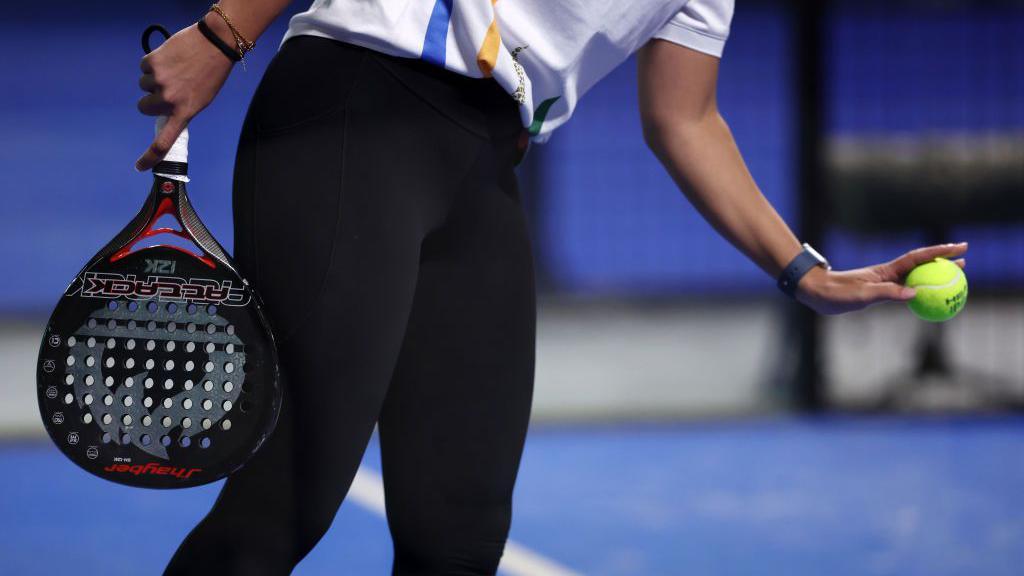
(216, 41)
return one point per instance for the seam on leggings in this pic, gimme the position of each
(316, 118)
(259, 131)
(284, 338)
(253, 196)
(440, 112)
(463, 185)
(254, 271)
(485, 142)
(320, 115)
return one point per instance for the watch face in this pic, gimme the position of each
(817, 256)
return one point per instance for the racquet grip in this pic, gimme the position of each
(177, 153)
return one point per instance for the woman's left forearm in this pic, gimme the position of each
(703, 159)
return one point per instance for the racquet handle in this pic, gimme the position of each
(177, 153)
(179, 150)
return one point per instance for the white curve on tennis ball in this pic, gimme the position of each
(951, 282)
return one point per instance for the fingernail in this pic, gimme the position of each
(907, 293)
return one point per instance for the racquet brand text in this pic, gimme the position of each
(160, 266)
(110, 285)
(152, 468)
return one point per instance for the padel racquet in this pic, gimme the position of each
(157, 368)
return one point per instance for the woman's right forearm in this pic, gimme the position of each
(184, 74)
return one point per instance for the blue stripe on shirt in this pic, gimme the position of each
(436, 39)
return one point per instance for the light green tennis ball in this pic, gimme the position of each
(941, 288)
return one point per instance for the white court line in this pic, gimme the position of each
(368, 491)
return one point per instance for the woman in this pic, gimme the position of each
(386, 133)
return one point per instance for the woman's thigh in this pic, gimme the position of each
(455, 417)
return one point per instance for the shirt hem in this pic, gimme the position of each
(691, 38)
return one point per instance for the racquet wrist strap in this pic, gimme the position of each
(221, 45)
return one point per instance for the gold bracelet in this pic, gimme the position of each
(243, 44)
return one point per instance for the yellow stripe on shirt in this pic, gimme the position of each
(487, 57)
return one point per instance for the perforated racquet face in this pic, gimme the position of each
(157, 368)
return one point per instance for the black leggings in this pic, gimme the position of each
(376, 209)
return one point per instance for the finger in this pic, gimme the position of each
(154, 105)
(876, 292)
(960, 262)
(161, 144)
(148, 83)
(146, 65)
(902, 266)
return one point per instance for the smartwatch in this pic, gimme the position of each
(798, 267)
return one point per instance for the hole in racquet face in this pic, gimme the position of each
(106, 348)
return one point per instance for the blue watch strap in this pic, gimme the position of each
(797, 268)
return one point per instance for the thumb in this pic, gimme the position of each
(161, 143)
(882, 291)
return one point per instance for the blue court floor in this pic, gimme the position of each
(824, 496)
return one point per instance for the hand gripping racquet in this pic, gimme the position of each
(157, 368)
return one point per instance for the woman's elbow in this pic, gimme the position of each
(663, 130)
(657, 128)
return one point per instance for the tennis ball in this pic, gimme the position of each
(941, 288)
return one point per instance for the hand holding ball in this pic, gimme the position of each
(941, 290)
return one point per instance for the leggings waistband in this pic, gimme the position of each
(480, 105)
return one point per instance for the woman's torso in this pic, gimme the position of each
(545, 53)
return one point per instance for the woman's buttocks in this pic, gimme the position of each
(309, 78)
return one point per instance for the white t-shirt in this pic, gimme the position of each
(545, 53)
